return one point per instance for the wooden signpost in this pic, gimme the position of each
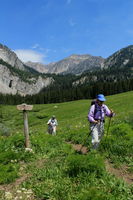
(24, 107)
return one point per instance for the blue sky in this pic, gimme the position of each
(50, 30)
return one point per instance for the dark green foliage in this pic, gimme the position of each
(119, 144)
(93, 193)
(8, 173)
(18, 142)
(92, 163)
(12, 151)
(6, 157)
(121, 130)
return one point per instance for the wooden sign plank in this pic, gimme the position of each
(24, 107)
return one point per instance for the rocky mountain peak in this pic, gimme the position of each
(10, 57)
(120, 58)
(25, 80)
(42, 68)
(73, 64)
(76, 56)
(16, 77)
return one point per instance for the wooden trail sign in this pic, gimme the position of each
(24, 107)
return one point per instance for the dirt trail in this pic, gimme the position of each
(121, 172)
(79, 148)
(12, 186)
(24, 176)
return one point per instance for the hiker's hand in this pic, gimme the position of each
(112, 113)
(96, 122)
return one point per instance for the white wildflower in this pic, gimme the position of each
(23, 189)
(29, 191)
(18, 191)
(29, 150)
(8, 195)
(21, 168)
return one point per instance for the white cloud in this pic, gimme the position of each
(30, 55)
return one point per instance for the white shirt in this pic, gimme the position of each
(52, 122)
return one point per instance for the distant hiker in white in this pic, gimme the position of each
(52, 123)
(96, 116)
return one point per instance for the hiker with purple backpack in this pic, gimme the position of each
(96, 115)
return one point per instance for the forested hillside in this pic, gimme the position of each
(115, 76)
(70, 87)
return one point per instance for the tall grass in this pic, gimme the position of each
(57, 171)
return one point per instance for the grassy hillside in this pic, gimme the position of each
(54, 170)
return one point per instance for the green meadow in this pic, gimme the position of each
(53, 169)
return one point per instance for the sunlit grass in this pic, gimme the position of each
(52, 166)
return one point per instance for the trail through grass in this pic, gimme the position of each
(57, 171)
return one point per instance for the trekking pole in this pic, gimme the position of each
(108, 126)
(87, 137)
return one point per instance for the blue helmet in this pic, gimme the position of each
(101, 97)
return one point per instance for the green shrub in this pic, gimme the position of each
(118, 145)
(91, 163)
(13, 149)
(44, 143)
(8, 173)
(121, 130)
(7, 156)
(93, 193)
(18, 142)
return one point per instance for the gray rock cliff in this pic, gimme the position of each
(11, 81)
(10, 57)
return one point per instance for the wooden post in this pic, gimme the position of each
(24, 107)
(26, 129)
